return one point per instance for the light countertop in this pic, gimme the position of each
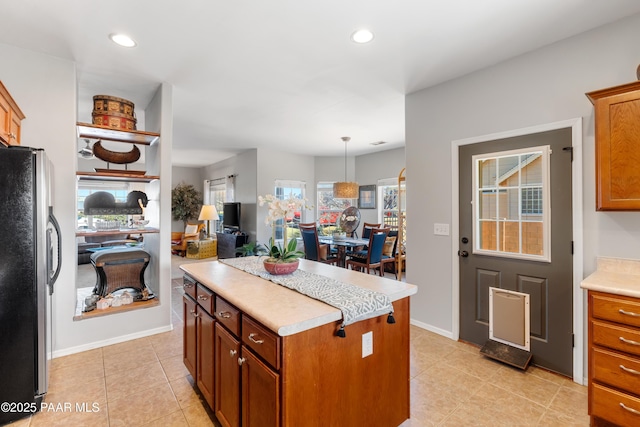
(282, 310)
(615, 276)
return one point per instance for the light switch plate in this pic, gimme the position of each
(367, 344)
(441, 229)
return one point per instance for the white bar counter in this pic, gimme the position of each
(615, 276)
(282, 310)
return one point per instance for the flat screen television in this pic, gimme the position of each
(231, 215)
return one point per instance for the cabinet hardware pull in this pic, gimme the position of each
(241, 360)
(224, 314)
(188, 285)
(626, 341)
(633, 411)
(629, 370)
(202, 297)
(628, 313)
(232, 353)
(252, 339)
(194, 313)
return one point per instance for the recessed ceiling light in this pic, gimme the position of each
(122, 40)
(362, 36)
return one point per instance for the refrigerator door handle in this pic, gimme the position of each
(53, 275)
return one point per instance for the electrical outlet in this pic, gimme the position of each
(367, 344)
(441, 229)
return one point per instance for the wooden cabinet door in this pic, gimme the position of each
(205, 347)
(227, 378)
(15, 124)
(5, 120)
(260, 393)
(189, 338)
(617, 151)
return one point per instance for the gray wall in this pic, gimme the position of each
(544, 86)
(372, 167)
(244, 168)
(277, 165)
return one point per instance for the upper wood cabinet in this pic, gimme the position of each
(617, 125)
(10, 118)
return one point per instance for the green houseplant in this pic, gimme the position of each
(186, 202)
(251, 249)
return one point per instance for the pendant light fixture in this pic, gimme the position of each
(345, 190)
(86, 152)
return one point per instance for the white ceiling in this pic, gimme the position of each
(283, 74)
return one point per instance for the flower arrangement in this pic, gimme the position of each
(282, 209)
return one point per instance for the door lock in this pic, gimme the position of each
(463, 254)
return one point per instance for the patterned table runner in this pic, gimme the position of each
(356, 303)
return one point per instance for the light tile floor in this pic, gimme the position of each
(144, 383)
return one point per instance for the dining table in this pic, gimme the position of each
(342, 244)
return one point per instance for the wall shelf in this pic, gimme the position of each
(145, 230)
(115, 176)
(86, 130)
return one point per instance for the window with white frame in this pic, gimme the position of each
(285, 190)
(217, 196)
(511, 210)
(328, 209)
(120, 190)
(388, 206)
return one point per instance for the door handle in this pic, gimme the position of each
(463, 254)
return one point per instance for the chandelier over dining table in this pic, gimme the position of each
(345, 189)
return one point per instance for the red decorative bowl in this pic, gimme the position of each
(279, 268)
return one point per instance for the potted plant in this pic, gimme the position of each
(339, 233)
(283, 257)
(252, 249)
(186, 202)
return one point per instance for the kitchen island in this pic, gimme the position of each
(265, 355)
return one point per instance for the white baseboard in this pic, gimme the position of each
(432, 328)
(115, 340)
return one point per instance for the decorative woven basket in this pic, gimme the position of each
(114, 120)
(111, 104)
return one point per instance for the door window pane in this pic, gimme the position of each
(511, 204)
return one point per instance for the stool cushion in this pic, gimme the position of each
(115, 255)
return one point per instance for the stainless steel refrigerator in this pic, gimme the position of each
(30, 261)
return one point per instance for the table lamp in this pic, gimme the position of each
(208, 213)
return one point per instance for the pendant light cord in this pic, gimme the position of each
(345, 139)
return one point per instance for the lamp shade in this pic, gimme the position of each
(208, 212)
(345, 190)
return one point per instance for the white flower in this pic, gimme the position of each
(281, 209)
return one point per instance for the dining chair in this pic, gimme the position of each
(313, 250)
(389, 252)
(366, 231)
(367, 227)
(372, 257)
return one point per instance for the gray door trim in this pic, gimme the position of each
(576, 196)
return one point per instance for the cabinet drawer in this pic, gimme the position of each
(616, 369)
(228, 315)
(616, 337)
(611, 405)
(205, 298)
(617, 309)
(261, 340)
(189, 286)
